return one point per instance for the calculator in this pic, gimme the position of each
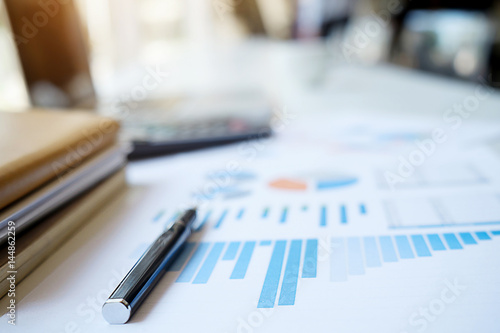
(157, 127)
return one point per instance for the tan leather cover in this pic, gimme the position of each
(49, 235)
(40, 145)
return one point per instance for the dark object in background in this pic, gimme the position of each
(453, 38)
(193, 136)
(450, 42)
(52, 51)
(162, 127)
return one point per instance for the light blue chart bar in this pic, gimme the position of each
(193, 264)
(158, 216)
(354, 256)
(182, 258)
(495, 232)
(310, 259)
(172, 219)
(265, 213)
(482, 235)
(362, 209)
(467, 238)
(436, 243)
(272, 280)
(452, 241)
(284, 215)
(240, 214)
(338, 265)
(241, 266)
(420, 246)
(372, 255)
(343, 214)
(209, 264)
(404, 247)
(388, 252)
(265, 243)
(291, 276)
(322, 219)
(231, 251)
(221, 219)
(204, 221)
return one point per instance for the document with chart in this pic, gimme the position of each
(358, 226)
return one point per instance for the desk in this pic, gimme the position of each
(315, 251)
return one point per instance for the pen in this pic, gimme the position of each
(147, 271)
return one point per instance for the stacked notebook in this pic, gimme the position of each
(56, 170)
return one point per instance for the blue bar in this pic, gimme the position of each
(193, 263)
(172, 219)
(291, 276)
(482, 235)
(436, 243)
(209, 264)
(310, 259)
(183, 256)
(283, 215)
(372, 256)
(338, 265)
(452, 241)
(354, 256)
(265, 243)
(265, 213)
(322, 220)
(404, 247)
(158, 216)
(240, 214)
(420, 246)
(272, 280)
(496, 232)
(388, 251)
(231, 251)
(240, 269)
(221, 219)
(467, 238)
(362, 209)
(204, 221)
(343, 214)
(304, 208)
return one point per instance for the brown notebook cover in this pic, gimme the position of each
(47, 236)
(40, 145)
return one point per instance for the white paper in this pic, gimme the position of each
(338, 195)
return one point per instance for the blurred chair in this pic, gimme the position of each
(53, 52)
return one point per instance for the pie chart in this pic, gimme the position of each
(318, 183)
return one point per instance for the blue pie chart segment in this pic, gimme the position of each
(329, 184)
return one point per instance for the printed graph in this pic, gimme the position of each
(354, 255)
(198, 260)
(443, 175)
(319, 182)
(451, 210)
(325, 214)
(291, 260)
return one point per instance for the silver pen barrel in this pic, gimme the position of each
(148, 270)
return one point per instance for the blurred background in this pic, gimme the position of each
(68, 53)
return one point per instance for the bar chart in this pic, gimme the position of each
(292, 260)
(354, 255)
(325, 214)
(318, 182)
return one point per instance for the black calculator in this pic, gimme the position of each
(164, 127)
